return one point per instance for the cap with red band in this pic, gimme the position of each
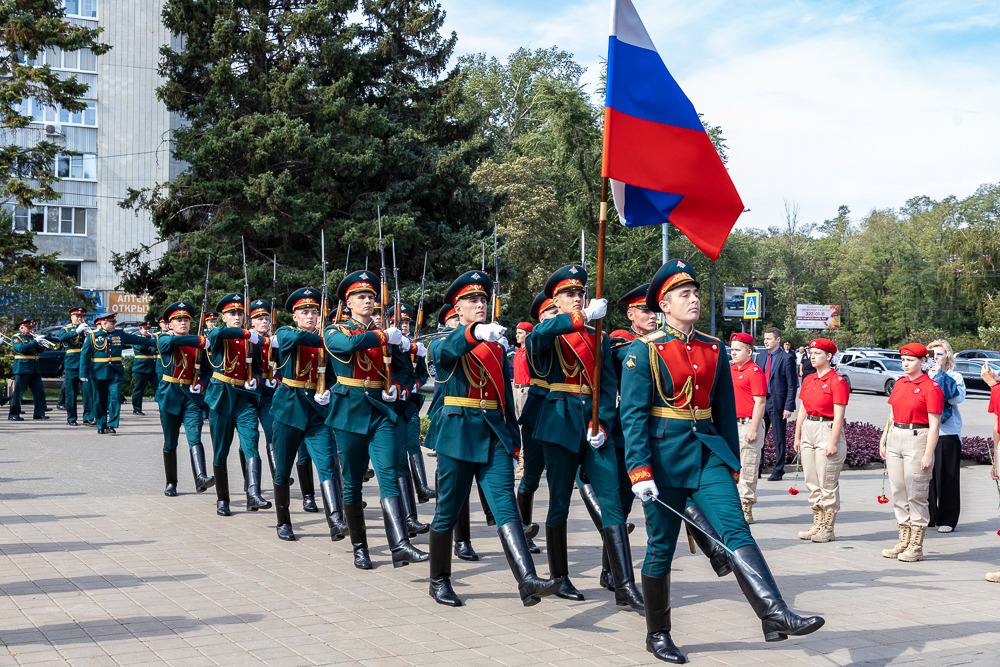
(913, 350)
(824, 344)
(741, 337)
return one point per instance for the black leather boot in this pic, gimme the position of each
(440, 586)
(255, 501)
(530, 586)
(409, 500)
(717, 556)
(419, 474)
(620, 556)
(525, 502)
(284, 519)
(222, 490)
(463, 535)
(757, 583)
(490, 519)
(355, 516)
(368, 475)
(332, 501)
(606, 580)
(270, 459)
(305, 475)
(403, 553)
(589, 497)
(555, 543)
(656, 590)
(170, 473)
(202, 482)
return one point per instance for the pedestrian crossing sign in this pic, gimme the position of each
(751, 305)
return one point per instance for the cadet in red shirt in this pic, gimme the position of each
(819, 438)
(916, 402)
(750, 390)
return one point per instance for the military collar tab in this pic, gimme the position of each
(677, 333)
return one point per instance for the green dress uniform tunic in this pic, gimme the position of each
(178, 406)
(232, 407)
(144, 371)
(73, 343)
(101, 363)
(27, 375)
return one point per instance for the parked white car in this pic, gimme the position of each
(877, 374)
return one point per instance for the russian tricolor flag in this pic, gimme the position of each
(657, 155)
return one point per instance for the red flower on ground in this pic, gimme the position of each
(883, 499)
(792, 490)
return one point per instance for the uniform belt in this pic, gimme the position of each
(221, 377)
(24, 356)
(298, 384)
(819, 418)
(571, 388)
(481, 403)
(535, 382)
(171, 379)
(144, 356)
(74, 349)
(910, 427)
(682, 413)
(106, 360)
(364, 384)
(744, 420)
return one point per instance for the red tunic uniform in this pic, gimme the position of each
(748, 381)
(994, 406)
(820, 394)
(913, 400)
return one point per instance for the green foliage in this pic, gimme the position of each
(27, 29)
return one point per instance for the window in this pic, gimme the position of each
(85, 118)
(74, 270)
(62, 220)
(82, 8)
(77, 167)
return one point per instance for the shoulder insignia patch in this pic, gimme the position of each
(630, 362)
(653, 335)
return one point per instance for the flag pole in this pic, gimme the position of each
(602, 224)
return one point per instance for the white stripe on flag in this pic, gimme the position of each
(627, 26)
(618, 194)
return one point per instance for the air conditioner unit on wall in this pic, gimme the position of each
(53, 131)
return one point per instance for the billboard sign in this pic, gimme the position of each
(131, 306)
(732, 301)
(813, 316)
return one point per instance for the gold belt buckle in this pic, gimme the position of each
(366, 383)
(482, 403)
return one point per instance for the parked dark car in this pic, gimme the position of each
(978, 354)
(971, 369)
(51, 361)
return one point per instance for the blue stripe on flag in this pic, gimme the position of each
(640, 85)
(648, 207)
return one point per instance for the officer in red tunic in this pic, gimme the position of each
(750, 390)
(819, 438)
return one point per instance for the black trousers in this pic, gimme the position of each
(945, 493)
(775, 417)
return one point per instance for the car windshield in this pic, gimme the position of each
(892, 364)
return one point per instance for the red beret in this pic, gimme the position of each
(824, 344)
(913, 350)
(527, 327)
(741, 337)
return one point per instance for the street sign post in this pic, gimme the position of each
(751, 310)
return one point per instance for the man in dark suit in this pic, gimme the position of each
(782, 384)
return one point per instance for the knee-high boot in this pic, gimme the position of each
(355, 516)
(619, 553)
(408, 498)
(255, 501)
(463, 535)
(170, 473)
(419, 474)
(589, 497)
(403, 553)
(530, 586)
(440, 586)
(202, 482)
(525, 502)
(555, 544)
(333, 507)
(717, 556)
(222, 490)
(281, 512)
(305, 474)
(656, 591)
(760, 589)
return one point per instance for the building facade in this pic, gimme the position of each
(123, 138)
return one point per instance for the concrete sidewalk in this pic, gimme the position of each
(97, 567)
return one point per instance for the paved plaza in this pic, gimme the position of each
(97, 567)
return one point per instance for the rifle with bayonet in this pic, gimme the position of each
(248, 358)
(340, 302)
(384, 296)
(496, 277)
(274, 292)
(396, 315)
(321, 358)
(420, 304)
(201, 320)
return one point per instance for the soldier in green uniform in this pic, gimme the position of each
(71, 336)
(415, 458)
(363, 416)
(475, 435)
(542, 308)
(26, 372)
(678, 415)
(144, 372)
(232, 401)
(564, 345)
(179, 395)
(260, 321)
(298, 411)
(101, 364)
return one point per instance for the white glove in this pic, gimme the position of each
(250, 384)
(83, 326)
(391, 395)
(83, 379)
(254, 337)
(504, 343)
(403, 394)
(272, 383)
(645, 490)
(596, 441)
(393, 335)
(195, 389)
(274, 341)
(322, 399)
(416, 387)
(492, 331)
(596, 309)
(421, 350)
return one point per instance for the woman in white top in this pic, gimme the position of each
(944, 493)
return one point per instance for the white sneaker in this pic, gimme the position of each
(945, 529)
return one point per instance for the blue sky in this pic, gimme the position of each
(822, 103)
